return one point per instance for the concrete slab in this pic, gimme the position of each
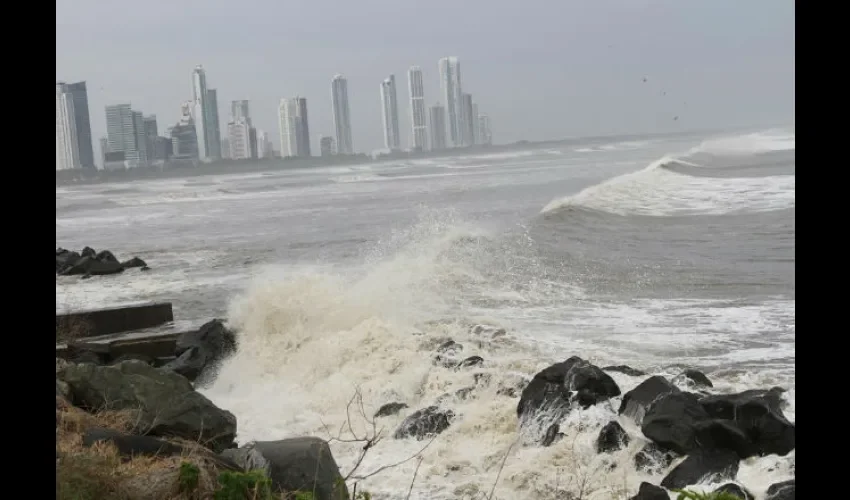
(156, 342)
(127, 318)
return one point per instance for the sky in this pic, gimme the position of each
(541, 69)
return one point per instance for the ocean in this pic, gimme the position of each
(660, 253)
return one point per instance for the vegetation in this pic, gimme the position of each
(694, 495)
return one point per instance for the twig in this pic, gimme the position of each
(499, 474)
(390, 466)
(415, 472)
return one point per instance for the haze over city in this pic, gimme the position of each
(547, 70)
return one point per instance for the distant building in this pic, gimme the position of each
(125, 132)
(67, 145)
(327, 145)
(303, 130)
(484, 130)
(452, 94)
(82, 123)
(104, 148)
(241, 136)
(184, 138)
(438, 127)
(341, 115)
(418, 118)
(476, 128)
(151, 133)
(205, 114)
(263, 144)
(467, 113)
(288, 123)
(389, 108)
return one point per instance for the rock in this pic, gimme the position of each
(670, 421)
(653, 459)
(449, 346)
(553, 435)
(424, 423)
(759, 415)
(470, 362)
(781, 491)
(60, 364)
(490, 331)
(134, 262)
(303, 464)
(591, 384)
(697, 378)
(389, 409)
(196, 350)
(65, 259)
(464, 393)
(82, 356)
(724, 434)
(611, 438)
(145, 268)
(444, 361)
(636, 401)
(649, 491)
(63, 390)
(165, 401)
(134, 356)
(129, 446)
(92, 266)
(88, 252)
(734, 489)
(721, 464)
(625, 369)
(106, 256)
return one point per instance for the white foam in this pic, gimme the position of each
(759, 142)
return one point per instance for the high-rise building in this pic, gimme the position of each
(418, 118)
(327, 145)
(476, 128)
(467, 114)
(303, 129)
(452, 92)
(125, 133)
(263, 144)
(342, 115)
(389, 108)
(184, 137)
(241, 136)
(151, 132)
(438, 127)
(239, 111)
(288, 122)
(485, 131)
(67, 144)
(104, 148)
(205, 103)
(82, 123)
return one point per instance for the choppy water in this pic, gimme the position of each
(658, 253)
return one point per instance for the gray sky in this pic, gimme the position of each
(542, 69)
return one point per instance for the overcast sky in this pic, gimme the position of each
(542, 69)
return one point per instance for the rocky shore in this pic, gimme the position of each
(137, 429)
(89, 262)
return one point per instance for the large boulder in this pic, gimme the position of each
(196, 350)
(724, 434)
(294, 465)
(758, 414)
(164, 401)
(134, 262)
(106, 256)
(782, 491)
(65, 259)
(735, 489)
(720, 464)
(671, 422)
(635, 402)
(653, 459)
(649, 491)
(390, 409)
(611, 438)
(424, 423)
(89, 265)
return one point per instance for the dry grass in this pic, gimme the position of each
(70, 328)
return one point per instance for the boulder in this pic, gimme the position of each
(449, 347)
(304, 464)
(106, 256)
(696, 378)
(648, 491)
(129, 445)
(670, 421)
(196, 350)
(611, 438)
(470, 362)
(625, 369)
(134, 262)
(590, 383)
(636, 401)
(734, 489)
(389, 409)
(781, 491)
(653, 459)
(759, 415)
(65, 259)
(165, 402)
(720, 464)
(88, 252)
(89, 265)
(553, 435)
(424, 423)
(724, 434)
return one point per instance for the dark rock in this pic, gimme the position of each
(444, 361)
(88, 252)
(196, 350)
(591, 384)
(464, 393)
(697, 377)
(106, 256)
(299, 464)
(759, 415)
(649, 491)
(492, 331)
(670, 421)
(626, 370)
(653, 459)
(636, 401)
(470, 361)
(424, 423)
(165, 402)
(734, 489)
(389, 409)
(134, 262)
(145, 268)
(90, 265)
(611, 438)
(134, 356)
(83, 356)
(449, 346)
(724, 434)
(65, 259)
(129, 446)
(721, 464)
(553, 434)
(782, 491)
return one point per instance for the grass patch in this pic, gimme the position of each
(254, 485)
(695, 495)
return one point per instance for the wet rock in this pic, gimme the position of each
(626, 370)
(449, 347)
(591, 384)
(134, 262)
(721, 464)
(390, 409)
(697, 378)
(759, 415)
(470, 362)
(90, 265)
(444, 361)
(734, 489)
(424, 423)
(782, 491)
(88, 252)
(670, 421)
(553, 435)
(106, 256)
(489, 331)
(199, 349)
(636, 401)
(649, 491)
(611, 438)
(653, 459)
(145, 268)
(724, 434)
(65, 259)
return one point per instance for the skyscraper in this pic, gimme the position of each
(288, 122)
(438, 127)
(239, 110)
(303, 129)
(485, 131)
(184, 138)
(125, 133)
(451, 89)
(151, 132)
(389, 108)
(263, 144)
(67, 145)
(476, 128)
(342, 116)
(240, 139)
(326, 145)
(418, 119)
(82, 123)
(205, 103)
(467, 124)
(215, 129)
